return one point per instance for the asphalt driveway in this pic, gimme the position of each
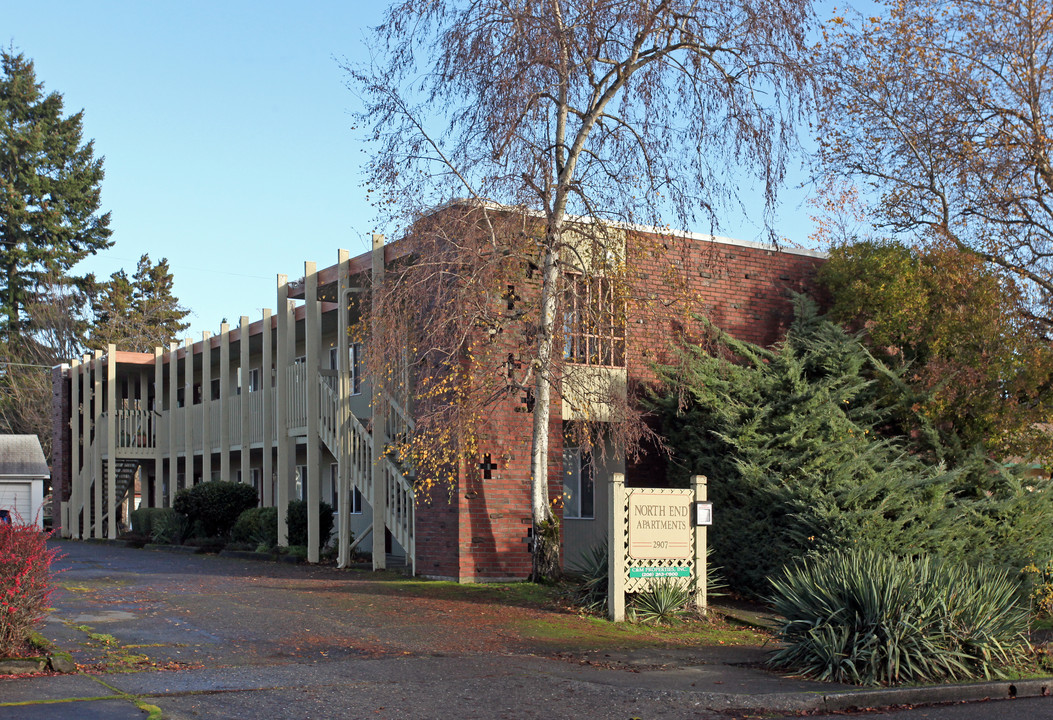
(165, 635)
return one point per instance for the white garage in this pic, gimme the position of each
(23, 471)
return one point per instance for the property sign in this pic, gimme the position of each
(660, 526)
(659, 572)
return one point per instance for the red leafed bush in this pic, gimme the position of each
(25, 584)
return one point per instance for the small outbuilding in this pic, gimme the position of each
(23, 471)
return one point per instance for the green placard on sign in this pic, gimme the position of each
(659, 572)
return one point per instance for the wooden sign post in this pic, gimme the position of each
(656, 534)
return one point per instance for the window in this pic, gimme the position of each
(358, 368)
(256, 475)
(579, 492)
(215, 388)
(301, 478)
(356, 364)
(356, 496)
(254, 380)
(593, 322)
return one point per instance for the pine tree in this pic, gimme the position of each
(49, 193)
(140, 313)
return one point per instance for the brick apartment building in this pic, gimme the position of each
(285, 403)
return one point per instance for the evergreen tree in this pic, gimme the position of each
(49, 193)
(795, 442)
(140, 313)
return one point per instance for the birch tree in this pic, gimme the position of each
(580, 117)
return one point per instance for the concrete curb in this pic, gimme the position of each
(999, 690)
(879, 697)
(61, 662)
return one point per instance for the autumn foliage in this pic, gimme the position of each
(25, 584)
(975, 361)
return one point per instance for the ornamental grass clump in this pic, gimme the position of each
(664, 602)
(25, 585)
(866, 618)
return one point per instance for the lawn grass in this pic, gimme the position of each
(563, 626)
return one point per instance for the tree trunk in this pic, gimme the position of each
(545, 565)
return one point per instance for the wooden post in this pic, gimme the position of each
(96, 395)
(343, 470)
(87, 460)
(111, 440)
(267, 407)
(224, 402)
(244, 370)
(616, 548)
(281, 397)
(379, 410)
(188, 410)
(206, 406)
(71, 528)
(173, 402)
(699, 485)
(159, 456)
(313, 346)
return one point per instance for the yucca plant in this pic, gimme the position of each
(666, 601)
(864, 618)
(591, 591)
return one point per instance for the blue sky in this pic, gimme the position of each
(227, 136)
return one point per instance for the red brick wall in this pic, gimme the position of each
(742, 290)
(482, 532)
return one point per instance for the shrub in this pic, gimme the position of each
(143, 519)
(815, 447)
(590, 575)
(1041, 580)
(257, 527)
(25, 584)
(866, 618)
(591, 572)
(296, 517)
(215, 504)
(168, 527)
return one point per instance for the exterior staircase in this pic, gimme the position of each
(352, 444)
(125, 479)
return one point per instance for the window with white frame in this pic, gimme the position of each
(254, 380)
(579, 492)
(256, 475)
(301, 479)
